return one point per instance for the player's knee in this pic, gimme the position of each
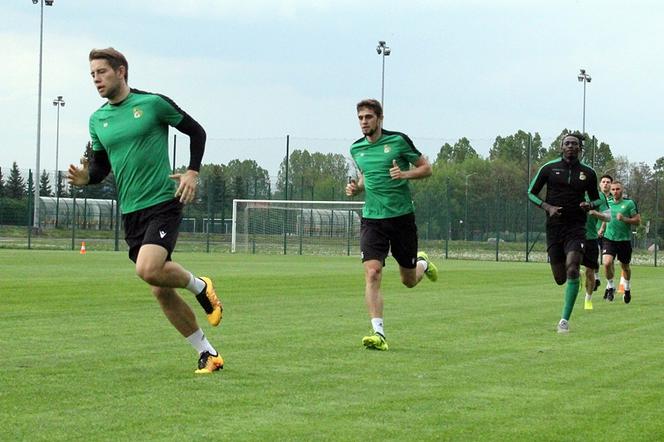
(148, 274)
(409, 282)
(373, 274)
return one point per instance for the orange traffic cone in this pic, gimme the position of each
(621, 287)
(83, 248)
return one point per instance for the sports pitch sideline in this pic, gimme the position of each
(88, 355)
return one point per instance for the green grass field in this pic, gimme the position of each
(87, 355)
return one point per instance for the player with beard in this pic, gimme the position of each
(567, 181)
(618, 240)
(386, 160)
(604, 187)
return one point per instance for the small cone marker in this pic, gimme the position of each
(621, 287)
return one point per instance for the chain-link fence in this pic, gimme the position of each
(461, 214)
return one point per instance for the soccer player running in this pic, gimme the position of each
(384, 160)
(618, 240)
(605, 188)
(591, 248)
(567, 182)
(130, 137)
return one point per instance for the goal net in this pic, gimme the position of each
(296, 227)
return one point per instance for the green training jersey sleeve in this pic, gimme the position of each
(385, 197)
(592, 223)
(134, 134)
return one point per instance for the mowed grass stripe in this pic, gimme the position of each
(88, 355)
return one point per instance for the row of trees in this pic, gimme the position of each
(468, 196)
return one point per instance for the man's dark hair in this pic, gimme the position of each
(372, 104)
(114, 58)
(578, 135)
(606, 175)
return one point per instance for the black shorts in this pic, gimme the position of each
(591, 254)
(158, 225)
(378, 236)
(564, 238)
(618, 249)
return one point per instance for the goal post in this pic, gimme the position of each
(296, 227)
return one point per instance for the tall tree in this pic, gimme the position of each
(45, 184)
(60, 184)
(306, 172)
(255, 180)
(15, 187)
(458, 153)
(658, 168)
(445, 154)
(2, 184)
(640, 187)
(515, 148)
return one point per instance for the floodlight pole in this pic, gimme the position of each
(584, 77)
(39, 105)
(385, 51)
(58, 102)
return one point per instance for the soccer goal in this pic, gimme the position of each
(296, 227)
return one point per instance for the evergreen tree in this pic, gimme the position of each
(15, 187)
(45, 184)
(2, 184)
(60, 184)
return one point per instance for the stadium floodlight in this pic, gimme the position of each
(39, 105)
(584, 78)
(384, 50)
(58, 102)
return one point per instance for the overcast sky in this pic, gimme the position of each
(253, 71)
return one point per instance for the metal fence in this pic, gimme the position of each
(457, 223)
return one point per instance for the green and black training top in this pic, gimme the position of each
(566, 186)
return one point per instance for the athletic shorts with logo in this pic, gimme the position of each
(621, 250)
(564, 238)
(398, 234)
(158, 225)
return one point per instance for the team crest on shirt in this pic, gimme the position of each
(582, 176)
(387, 148)
(105, 124)
(138, 113)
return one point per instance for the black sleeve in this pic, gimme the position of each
(536, 186)
(197, 136)
(593, 193)
(99, 166)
